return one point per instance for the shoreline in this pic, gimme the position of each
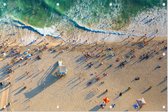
(155, 20)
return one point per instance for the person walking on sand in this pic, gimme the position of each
(106, 90)
(136, 79)
(101, 64)
(113, 105)
(102, 105)
(120, 94)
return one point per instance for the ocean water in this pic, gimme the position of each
(100, 14)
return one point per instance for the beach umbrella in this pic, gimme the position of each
(106, 100)
(141, 102)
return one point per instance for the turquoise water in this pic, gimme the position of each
(44, 13)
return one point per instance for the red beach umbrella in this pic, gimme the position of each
(106, 100)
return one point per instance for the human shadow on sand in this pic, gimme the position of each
(47, 81)
(4, 71)
(20, 77)
(20, 90)
(101, 94)
(81, 59)
(163, 90)
(96, 108)
(90, 95)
